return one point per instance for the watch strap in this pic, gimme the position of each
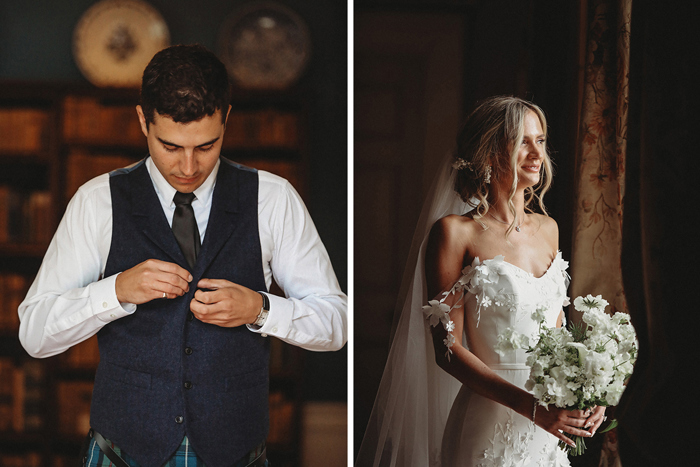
(262, 316)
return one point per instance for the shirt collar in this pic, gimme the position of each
(166, 191)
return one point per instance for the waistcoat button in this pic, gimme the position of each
(188, 350)
(188, 385)
(179, 419)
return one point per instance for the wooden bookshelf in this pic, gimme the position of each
(55, 138)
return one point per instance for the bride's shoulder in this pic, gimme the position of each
(455, 225)
(547, 227)
(452, 234)
(453, 230)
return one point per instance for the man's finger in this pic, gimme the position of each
(173, 269)
(214, 284)
(204, 296)
(170, 288)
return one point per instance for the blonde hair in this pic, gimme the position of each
(487, 147)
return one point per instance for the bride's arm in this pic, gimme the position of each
(443, 267)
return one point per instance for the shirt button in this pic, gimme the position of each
(263, 334)
(105, 304)
(112, 316)
(179, 419)
(188, 350)
(188, 385)
(274, 329)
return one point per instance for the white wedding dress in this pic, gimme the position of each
(501, 298)
(424, 417)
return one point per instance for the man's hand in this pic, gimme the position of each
(225, 304)
(150, 280)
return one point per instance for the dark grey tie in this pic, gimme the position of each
(185, 227)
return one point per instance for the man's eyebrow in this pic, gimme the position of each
(168, 143)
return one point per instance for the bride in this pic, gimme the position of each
(481, 264)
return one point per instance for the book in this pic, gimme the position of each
(82, 167)
(23, 130)
(262, 129)
(85, 355)
(281, 419)
(7, 370)
(13, 289)
(34, 399)
(74, 406)
(88, 121)
(25, 216)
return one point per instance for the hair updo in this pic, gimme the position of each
(487, 151)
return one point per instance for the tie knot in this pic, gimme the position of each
(183, 198)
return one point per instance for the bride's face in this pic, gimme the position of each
(531, 152)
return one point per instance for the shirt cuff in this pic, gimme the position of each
(105, 305)
(279, 318)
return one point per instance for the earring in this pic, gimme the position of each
(487, 174)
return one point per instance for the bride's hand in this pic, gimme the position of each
(556, 420)
(596, 418)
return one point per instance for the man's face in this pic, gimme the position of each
(185, 153)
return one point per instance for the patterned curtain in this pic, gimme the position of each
(597, 237)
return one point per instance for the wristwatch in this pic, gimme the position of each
(262, 316)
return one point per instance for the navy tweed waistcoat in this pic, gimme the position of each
(164, 374)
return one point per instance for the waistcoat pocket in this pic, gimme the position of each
(127, 376)
(247, 380)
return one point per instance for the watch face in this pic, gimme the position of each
(264, 45)
(115, 39)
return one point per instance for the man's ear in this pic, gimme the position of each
(227, 112)
(142, 120)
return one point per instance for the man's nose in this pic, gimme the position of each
(188, 164)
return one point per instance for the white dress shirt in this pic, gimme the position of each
(70, 300)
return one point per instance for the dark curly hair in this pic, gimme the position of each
(185, 83)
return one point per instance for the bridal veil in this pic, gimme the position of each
(415, 395)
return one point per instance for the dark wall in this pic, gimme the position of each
(35, 45)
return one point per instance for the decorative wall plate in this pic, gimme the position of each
(264, 45)
(115, 39)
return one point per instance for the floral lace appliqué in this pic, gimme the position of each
(474, 279)
(509, 448)
(480, 279)
(552, 456)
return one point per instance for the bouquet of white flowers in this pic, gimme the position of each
(583, 366)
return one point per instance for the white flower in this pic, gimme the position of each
(460, 164)
(435, 311)
(591, 371)
(582, 351)
(561, 264)
(450, 326)
(509, 340)
(614, 392)
(590, 303)
(599, 321)
(540, 314)
(449, 342)
(537, 369)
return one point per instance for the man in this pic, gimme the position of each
(169, 262)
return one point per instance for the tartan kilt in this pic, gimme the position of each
(183, 457)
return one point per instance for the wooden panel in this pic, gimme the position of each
(407, 111)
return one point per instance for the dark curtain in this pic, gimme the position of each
(658, 413)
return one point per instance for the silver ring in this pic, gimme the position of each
(605, 417)
(165, 295)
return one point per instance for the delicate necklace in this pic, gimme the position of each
(517, 227)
